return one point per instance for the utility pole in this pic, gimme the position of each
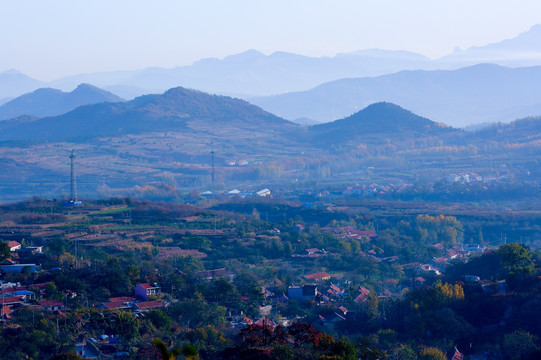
(73, 180)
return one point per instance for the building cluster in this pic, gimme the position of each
(236, 192)
(17, 263)
(466, 177)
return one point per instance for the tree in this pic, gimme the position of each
(519, 344)
(127, 326)
(432, 353)
(403, 352)
(191, 352)
(371, 305)
(208, 338)
(159, 319)
(57, 246)
(282, 352)
(344, 350)
(196, 313)
(368, 349)
(165, 353)
(516, 259)
(446, 293)
(5, 252)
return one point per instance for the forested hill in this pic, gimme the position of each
(377, 122)
(527, 129)
(174, 110)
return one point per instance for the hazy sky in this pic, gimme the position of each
(53, 38)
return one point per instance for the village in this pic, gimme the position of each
(108, 278)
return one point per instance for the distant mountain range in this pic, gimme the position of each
(49, 102)
(522, 50)
(14, 83)
(254, 74)
(226, 120)
(472, 95)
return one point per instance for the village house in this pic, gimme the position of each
(314, 251)
(320, 276)
(429, 269)
(148, 305)
(144, 291)
(332, 319)
(334, 291)
(266, 323)
(264, 192)
(26, 294)
(363, 295)
(12, 300)
(115, 305)
(302, 293)
(469, 248)
(30, 250)
(52, 305)
(14, 245)
(17, 268)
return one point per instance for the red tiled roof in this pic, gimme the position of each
(112, 305)
(24, 287)
(266, 322)
(13, 244)
(146, 305)
(364, 290)
(363, 295)
(12, 300)
(148, 286)
(318, 276)
(122, 298)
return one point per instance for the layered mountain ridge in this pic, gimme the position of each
(49, 102)
(471, 95)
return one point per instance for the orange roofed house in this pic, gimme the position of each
(320, 276)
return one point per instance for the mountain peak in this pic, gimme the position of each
(85, 86)
(49, 102)
(11, 72)
(389, 117)
(248, 55)
(380, 119)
